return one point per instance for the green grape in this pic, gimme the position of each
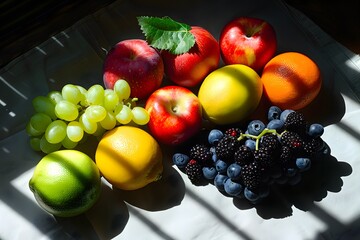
(40, 121)
(118, 108)
(99, 131)
(35, 143)
(88, 126)
(55, 96)
(32, 131)
(83, 92)
(74, 131)
(68, 144)
(140, 116)
(122, 89)
(66, 110)
(95, 95)
(111, 99)
(47, 147)
(71, 93)
(109, 122)
(125, 115)
(43, 104)
(95, 113)
(56, 131)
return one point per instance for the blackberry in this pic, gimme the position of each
(295, 122)
(194, 171)
(313, 145)
(263, 157)
(286, 157)
(270, 141)
(226, 148)
(293, 141)
(251, 175)
(201, 153)
(243, 155)
(235, 132)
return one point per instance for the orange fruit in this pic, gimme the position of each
(291, 80)
(66, 183)
(129, 158)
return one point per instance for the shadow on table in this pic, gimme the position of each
(323, 177)
(109, 216)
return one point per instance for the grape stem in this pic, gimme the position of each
(258, 137)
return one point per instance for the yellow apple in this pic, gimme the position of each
(230, 94)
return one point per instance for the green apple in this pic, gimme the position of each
(66, 183)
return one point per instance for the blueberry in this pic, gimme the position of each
(219, 181)
(316, 130)
(284, 114)
(214, 157)
(264, 191)
(209, 172)
(326, 149)
(276, 124)
(250, 144)
(251, 195)
(290, 172)
(294, 179)
(221, 166)
(303, 163)
(232, 188)
(180, 160)
(234, 171)
(274, 113)
(255, 127)
(214, 136)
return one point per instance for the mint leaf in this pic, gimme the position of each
(167, 34)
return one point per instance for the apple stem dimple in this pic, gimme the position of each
(174, 109)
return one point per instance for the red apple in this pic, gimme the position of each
(249, 41)
(190, 69)
(175, 114)
(136, 62)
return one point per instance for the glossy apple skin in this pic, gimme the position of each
(175, 114)
(248, 41)
(136, 62)
(190, 69)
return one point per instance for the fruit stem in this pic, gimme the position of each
(258, 137)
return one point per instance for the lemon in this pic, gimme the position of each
(66, 183)
(129, 158)
(230, 94)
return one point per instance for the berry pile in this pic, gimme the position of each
(245, 162)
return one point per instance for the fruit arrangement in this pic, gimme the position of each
(169, 89)
(245, 162)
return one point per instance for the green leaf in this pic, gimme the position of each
(167, 34)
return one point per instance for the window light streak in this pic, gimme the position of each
(57, 41)
(40, 50)
(2, 103)
(13, 88)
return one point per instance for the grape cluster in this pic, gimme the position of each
(246, 162)
(65, 118)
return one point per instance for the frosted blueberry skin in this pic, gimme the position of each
(255, 127)
(315, 130)
(274, 112)
(209, 172)
(214, 136)
(232, 188)
(219, 181)
(180, 160)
